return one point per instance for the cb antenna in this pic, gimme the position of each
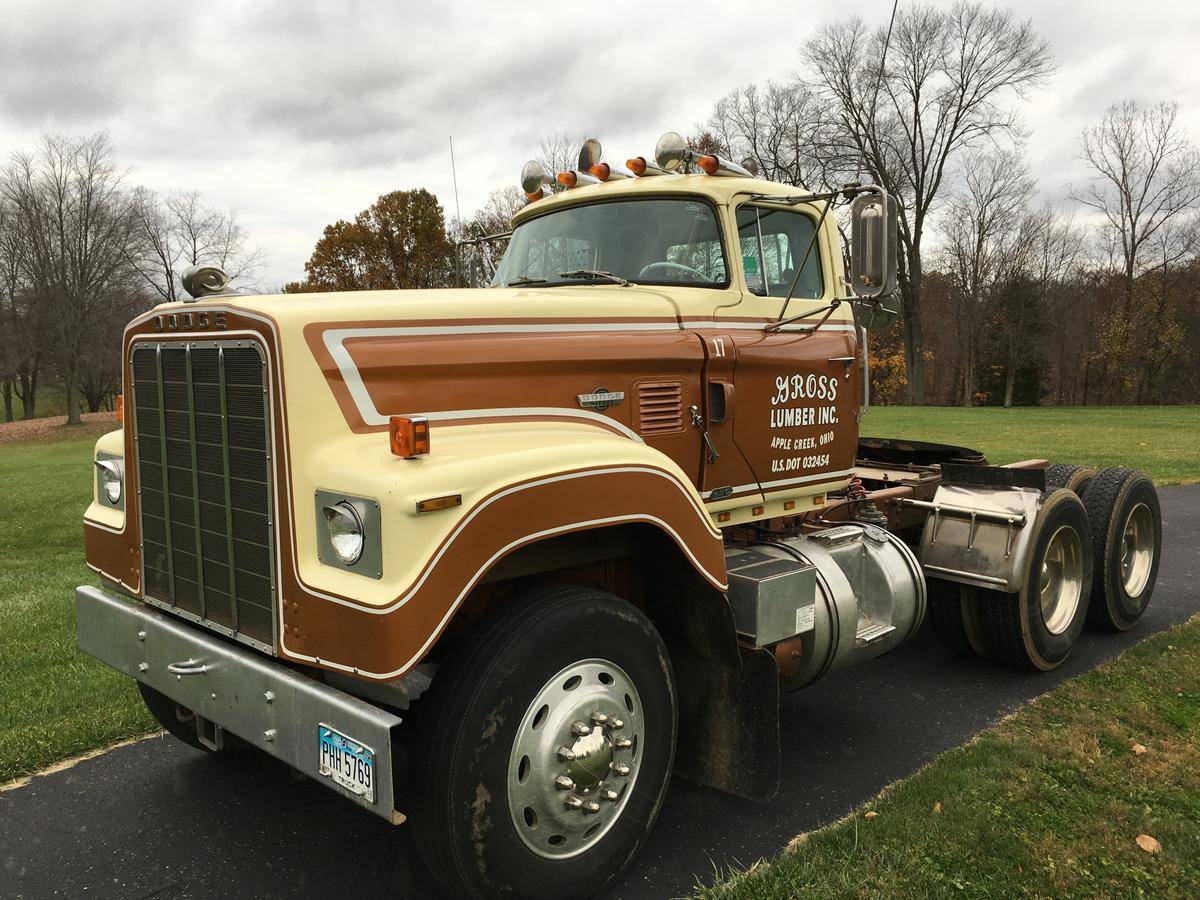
(454, 177)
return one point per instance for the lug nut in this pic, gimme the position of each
(573, 802)
(599, 718)
(616, 724)
(622, 743)
(580, 728)
(566, 754)
(621, 769)
(563, 783)
(591, 807)
(610, 795)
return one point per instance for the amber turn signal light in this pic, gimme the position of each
(601, 171)
(120, 409)
(709, 164)
(409, 436)
(435, 503)
(567, 179)
(637, 165)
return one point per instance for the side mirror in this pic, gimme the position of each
(873, 219)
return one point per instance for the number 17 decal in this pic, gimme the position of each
(718, 346)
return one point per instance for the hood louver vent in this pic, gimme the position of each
(660, 407)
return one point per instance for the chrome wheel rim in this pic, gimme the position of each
(575, 758)
(1137, 549)
(1061, 584)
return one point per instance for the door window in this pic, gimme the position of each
(774, 243)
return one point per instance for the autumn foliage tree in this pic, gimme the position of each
(399, 241)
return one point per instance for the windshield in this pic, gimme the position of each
(647, 241)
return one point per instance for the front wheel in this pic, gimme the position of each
(545, 748)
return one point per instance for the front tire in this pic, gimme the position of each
(546, 748)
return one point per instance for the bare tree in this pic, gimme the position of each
(76, 229)
(778, 126)
(1147, 176)
(477, 262)
(983, 235)
(181, 230)
(1038, 272)
(943, 87)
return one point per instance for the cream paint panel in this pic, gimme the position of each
(472, 461)
(105, 516)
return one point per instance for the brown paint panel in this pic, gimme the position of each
(437, 373)
(787, 423)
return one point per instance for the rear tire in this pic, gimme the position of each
(497, 808)
(1037, 627)
(1126, 520)
(1073, 478)
(957, 614)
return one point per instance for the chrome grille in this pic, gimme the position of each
(200, 426)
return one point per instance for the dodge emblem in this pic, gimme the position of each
(601, 399)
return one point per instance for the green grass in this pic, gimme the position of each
(1049, 803)
(1163, 440)
(55, 701)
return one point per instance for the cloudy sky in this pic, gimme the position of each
(296, 114)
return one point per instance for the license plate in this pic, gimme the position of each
(346, 761)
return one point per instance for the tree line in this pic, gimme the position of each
(82, 251)
(1012, 292)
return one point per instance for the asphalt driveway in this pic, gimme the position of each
(158, 820)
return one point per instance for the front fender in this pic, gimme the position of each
(520, 482)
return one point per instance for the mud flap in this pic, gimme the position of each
(729, 722)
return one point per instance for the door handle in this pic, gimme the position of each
(720, 402)
(698, 422)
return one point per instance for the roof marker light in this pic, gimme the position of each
(574, 179)
(605, 172)
(711, 164)
(643, 169)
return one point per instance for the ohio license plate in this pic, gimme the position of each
(346, 761)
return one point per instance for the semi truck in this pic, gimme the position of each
(500, 561)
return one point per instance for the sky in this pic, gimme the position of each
(297, 114)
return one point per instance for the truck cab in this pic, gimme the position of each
(501, 560)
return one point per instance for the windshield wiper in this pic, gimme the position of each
(596, 273)
(524, 279)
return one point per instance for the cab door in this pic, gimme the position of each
(796, 388)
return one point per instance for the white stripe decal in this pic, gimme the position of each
(335, 343)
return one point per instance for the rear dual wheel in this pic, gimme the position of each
(1037, 626)
(1122, 506)
(1072, 477)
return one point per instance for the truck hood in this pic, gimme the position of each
(571, 302)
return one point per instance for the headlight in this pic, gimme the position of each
(111, 473)
(345, 531)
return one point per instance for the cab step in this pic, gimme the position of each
(868, 634)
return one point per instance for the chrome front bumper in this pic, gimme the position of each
(256, 698)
